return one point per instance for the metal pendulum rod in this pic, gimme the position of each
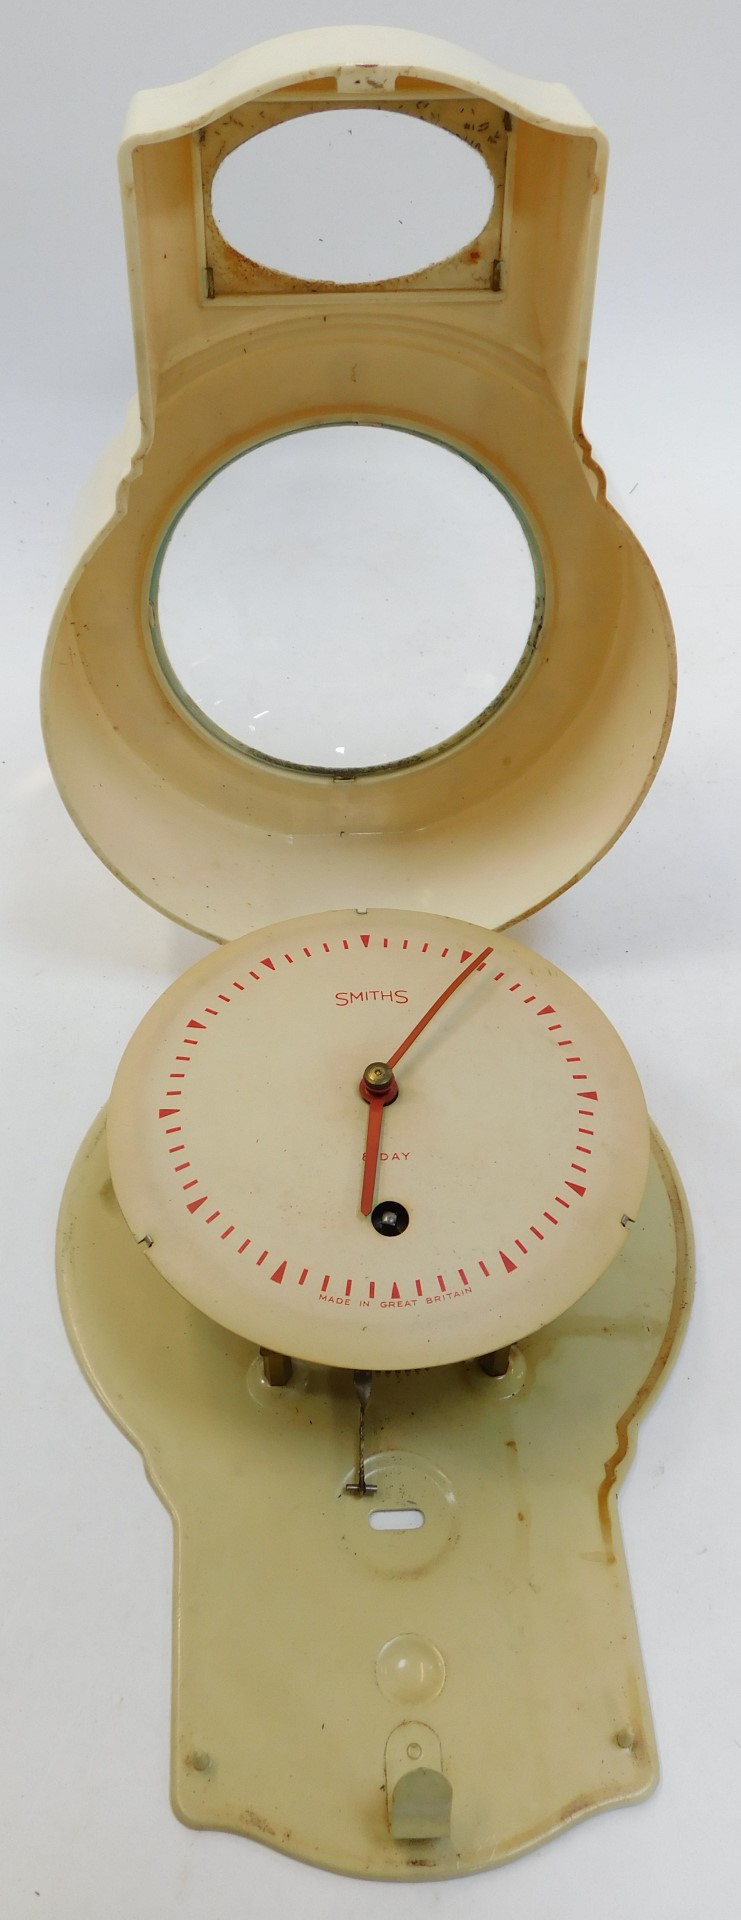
(362, 1383)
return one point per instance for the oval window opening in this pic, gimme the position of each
(344, 597)
(396, 1519)
(352, 196)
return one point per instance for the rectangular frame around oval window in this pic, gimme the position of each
(478, 267)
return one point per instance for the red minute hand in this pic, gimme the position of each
(440, 1002)
(379, 1087)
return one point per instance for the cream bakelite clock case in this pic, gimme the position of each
(375, 1255)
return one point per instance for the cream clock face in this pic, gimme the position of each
(509, 1167)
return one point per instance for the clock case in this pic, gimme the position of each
(404, 1704)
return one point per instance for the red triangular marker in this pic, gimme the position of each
(466, 956)
(166, 1111)
(574, 1188)
(511, 1265)
(587, 1096)
(542, 1010)
(198, 1023)
(193, 1205)
(279, 1272)
(395, 1294)
(365, 937)
(268, 963)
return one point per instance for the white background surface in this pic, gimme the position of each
(653, 933)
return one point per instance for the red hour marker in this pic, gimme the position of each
(198, 1023)
(551, 1217)
(244, 1246)
(303, 1276)
(262, 1256)
(348, 1289)
(484, 1269)
(279, 1272)
(542, 1010)
(264, 963)
(164, 1114)
(441, 1283)
(419, 1287)
(226, 1233)
(213, 1216)
(193, 1205)
(575, 1188)
(365, 939)
(395, 1294)
(510, 1266)
(325, 1283)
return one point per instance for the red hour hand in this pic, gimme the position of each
(379, 1088)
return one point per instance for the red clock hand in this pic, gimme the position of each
(379, 1087)
(440, 1002)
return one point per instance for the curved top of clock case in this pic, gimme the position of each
(486, 355)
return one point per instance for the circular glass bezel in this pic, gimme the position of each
(197, 716)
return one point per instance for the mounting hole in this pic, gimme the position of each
(396, 1519)
(390, 1218)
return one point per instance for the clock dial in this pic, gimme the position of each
(508, 1168)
